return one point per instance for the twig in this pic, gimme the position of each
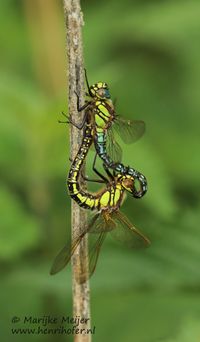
(74, 23)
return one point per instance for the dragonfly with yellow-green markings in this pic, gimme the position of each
(99, 109)
(106, 203)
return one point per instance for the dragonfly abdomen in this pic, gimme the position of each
(101, 148)
(83, 198)
(86, 200)
(100, 145)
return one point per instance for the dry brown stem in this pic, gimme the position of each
(75, 76)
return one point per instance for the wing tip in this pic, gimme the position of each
(53, 270)
(148, 242)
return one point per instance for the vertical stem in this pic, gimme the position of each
(74, 23)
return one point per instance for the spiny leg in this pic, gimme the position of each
(87, 179)
(110, 175)
(66, 116)
(69, 120)
(97, 172)
(87, 82)
(80, 108)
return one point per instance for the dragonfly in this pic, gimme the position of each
(105, 208)
(105, 122)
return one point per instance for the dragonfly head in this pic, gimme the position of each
(128, 183)
(137, 186)
(100, 90)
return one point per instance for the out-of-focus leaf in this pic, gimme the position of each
(188, 331)
(19, 231)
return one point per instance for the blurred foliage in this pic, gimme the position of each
(13, 215)
(149, 53)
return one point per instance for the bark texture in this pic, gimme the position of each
(75, 77)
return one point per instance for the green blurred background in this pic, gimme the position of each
(149, 54)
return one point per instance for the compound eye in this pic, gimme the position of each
(104, 93)
(101, 92)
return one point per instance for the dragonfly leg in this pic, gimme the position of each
(80, 108)
(97, 172)
(87, 179)
(110, 175)
(87, 82)
(66, 116)
(69, 120)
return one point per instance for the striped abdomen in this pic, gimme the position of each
(100, 146)
(110, 197)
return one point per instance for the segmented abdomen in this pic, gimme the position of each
(109, 197)
(103, 118)
(83, 198)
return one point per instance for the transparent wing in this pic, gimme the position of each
(96, 225)
(95, 244)
(99, 225)
(97, 233)
(114, 150)
(64, 256)
(129, 130)
(102, 222)
(127, 233)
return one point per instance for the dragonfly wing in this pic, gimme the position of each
(101, 222)
(129, 130)
(88, 261)
(95, 244)
(97, 229)
(96, 237)
(127, 233)
(64, 255)
(113, 148)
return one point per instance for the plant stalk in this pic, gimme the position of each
(75, 76)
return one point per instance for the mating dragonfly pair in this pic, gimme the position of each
(99, 123)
